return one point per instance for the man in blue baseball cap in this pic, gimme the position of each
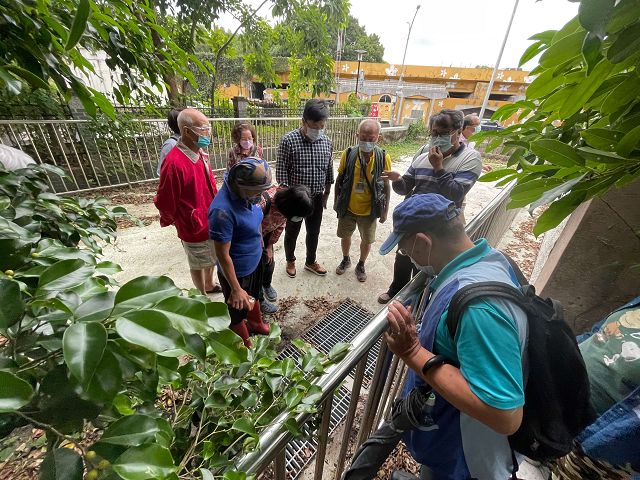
(477, 377)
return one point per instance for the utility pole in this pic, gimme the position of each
(338, 59)
(497, 65)
(360, 54)
(404, 56)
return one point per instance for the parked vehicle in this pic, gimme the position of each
(487, 125)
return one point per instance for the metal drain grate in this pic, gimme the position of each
(342, 325)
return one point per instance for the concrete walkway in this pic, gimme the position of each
(152, 250)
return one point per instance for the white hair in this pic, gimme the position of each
(185, 118)
(370, 121)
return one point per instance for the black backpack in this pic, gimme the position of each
(557, 394)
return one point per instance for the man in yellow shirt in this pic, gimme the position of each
(361, 195)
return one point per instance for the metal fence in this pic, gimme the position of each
(388, 377)
(98, 155)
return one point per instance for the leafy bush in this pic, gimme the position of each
(172, 389)
(417, 131)
(582, 129)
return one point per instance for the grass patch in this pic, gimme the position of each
(401, 149)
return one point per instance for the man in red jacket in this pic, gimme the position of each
(187, 187)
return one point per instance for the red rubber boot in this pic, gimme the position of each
(241, 330)
(255, 322)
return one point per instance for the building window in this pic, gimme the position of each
(385, 99)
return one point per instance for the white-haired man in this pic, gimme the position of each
(187, 188)
(362, 195)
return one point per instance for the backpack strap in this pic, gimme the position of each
(476, 290)
(522, 280)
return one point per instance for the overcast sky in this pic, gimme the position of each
(462, 33)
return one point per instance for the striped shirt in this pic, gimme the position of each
(461, 170)
(301, 162)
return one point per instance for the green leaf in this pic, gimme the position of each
(12, 84)
(186, 314)
(496, 174)
(626, 45)
(556, 192)
(206, 474)
(83, 345)
(144, 463)
(338, 351)
(144, 292)
(293, 398)
(602, 138)
(79, 24)
(591, 51)
(96, 309)
(108, 268)
(107, 380)
(594, 15)
(217, 316)
(149, 329)
(556, 152)
(131, 431)
(621, 95)
(244, 425)
(11, 304)
(64, 275)
(629, 142)
(32, 79)
(544, 84)
(123, 404)
(14, 392)
(61, 464)
(601, 156)
(228, 347)
(557, 211)
(103, 103)
(563, 50)
(586, 89)
(624, 14)
(533, 50)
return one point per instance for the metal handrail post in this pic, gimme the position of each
(358, 377)
(375, 392)
(323, 436)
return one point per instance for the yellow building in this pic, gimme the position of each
(422, 89)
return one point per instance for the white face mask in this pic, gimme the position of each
(314, 134)
(428, 269)
(366, 147)
(478, 129)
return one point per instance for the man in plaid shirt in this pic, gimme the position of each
(305, 158)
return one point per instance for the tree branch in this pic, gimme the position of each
(225, 45)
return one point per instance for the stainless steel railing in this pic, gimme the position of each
(98, 155)
(491, 222)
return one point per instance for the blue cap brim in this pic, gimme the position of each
(391, 242)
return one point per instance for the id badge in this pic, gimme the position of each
(359, 187)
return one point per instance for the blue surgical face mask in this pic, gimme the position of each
(203, 141)
(314, 134)
(478, 129)
(366, 147)
(443, 142)
(255, 200)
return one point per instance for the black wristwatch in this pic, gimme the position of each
(434, 361)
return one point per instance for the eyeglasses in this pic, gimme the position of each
(202, 129)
